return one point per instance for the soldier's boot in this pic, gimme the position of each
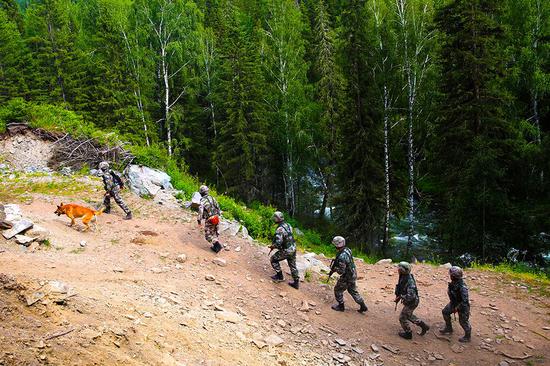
(406, 335)
(425, 327)
(467, 337)
(107, 211)
(363, 307)
(447, 330)
(295, 284)
(128, 216)
(216, 247)
(278, 277)
(338, 307)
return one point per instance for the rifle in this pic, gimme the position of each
(271, 248)
(331, 270)
(396, 302)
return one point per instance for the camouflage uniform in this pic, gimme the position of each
(407, 292)
(209, 207)
(112, 189)
(345, 267)
(286, 249)
(459, 302)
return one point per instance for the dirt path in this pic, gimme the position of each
(136, 304)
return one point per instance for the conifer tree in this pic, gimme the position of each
(12, 60)
(360, 170)
(475, 144)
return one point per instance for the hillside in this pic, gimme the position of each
(126, 296)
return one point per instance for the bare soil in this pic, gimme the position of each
(133, 303)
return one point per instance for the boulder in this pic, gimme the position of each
(12, 212)
(308, 262)
(17, 228)
(446, 265)
(145, 181)
(220, 262)
(384, 261)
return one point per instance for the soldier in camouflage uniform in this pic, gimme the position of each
(209, 210)
(112, 184)
(284, 242)
(343, 265)
(459, 302)
(407, 293)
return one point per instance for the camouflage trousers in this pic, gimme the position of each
(115, 194)
(348, 284)
(210, 232)
(281, 255)
(463, 316)
(407, 316)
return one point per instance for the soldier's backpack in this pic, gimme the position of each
(117, 179)
(212, 210)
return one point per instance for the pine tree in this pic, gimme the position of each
(475, 145)
(330, 95)
(241, 136)
(360, 170)
(50, 33)
(13, 54)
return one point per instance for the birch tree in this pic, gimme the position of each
(414, 37)
(285, 68)
(173, 39)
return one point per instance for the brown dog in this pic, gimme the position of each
(75, 211)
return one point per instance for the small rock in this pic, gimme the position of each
(503, 363)
(446, 265)
(281, 323)
(83, 243)
(147, 314)
(209, 277)
(228, 316)
(238, 249)
(220, 262)
(375, 348)
(340, 342)
(274, 340)
(305, 306)
(259, 343)
(181, 258)
(118, 269)
(23, 240)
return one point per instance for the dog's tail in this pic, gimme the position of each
(97, 213)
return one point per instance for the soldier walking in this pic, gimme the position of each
(459, 302)
(407, 292)
(112, 184)
(209, 210)
(284, 242)
(343, 265)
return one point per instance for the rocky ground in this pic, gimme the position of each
(150, 292)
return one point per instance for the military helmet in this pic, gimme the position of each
(404, 267)
(203, 190)
(104, 165)
(278, 217)
(339, 242)
(456, 272)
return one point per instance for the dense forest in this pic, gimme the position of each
(363, 115)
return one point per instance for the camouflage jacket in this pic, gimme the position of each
(458, 293)
(209, 207)
(283, 239)
(344, 264)
(109, 180)
(406, 289)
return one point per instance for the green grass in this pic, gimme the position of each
(536, 280)
(33, 183)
